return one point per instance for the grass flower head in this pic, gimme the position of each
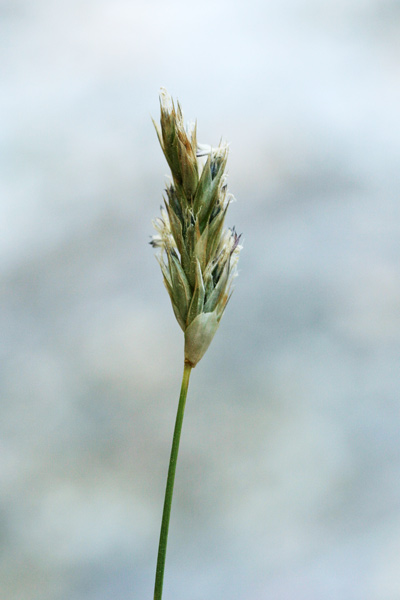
(198, 256)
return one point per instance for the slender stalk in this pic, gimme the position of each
(162, 546)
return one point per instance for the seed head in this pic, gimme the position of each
(198, 257)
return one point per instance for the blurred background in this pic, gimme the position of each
(288, 481)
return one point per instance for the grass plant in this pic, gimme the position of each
(198, 259)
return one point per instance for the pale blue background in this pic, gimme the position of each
(288, 484)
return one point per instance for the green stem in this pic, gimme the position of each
(162, 546)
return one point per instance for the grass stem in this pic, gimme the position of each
(162, 546)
